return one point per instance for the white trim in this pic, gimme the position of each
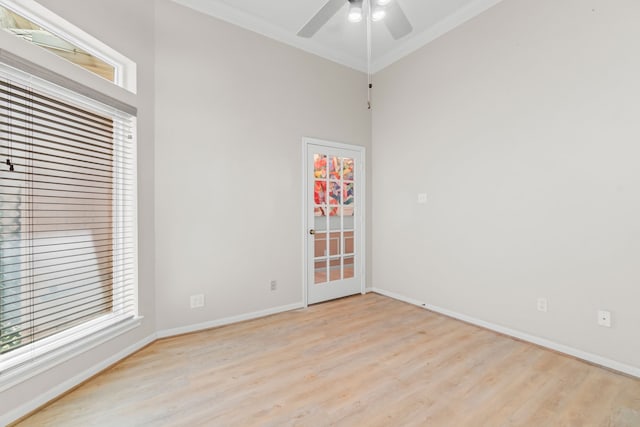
(339, 145)
(305, 247)
(363, 221)
(125, 69)
(134, 216)
(33, 359)
(397, 297)
(228, 320)
(571, 351)
(55, 392)
(13, 47)
(442, 27)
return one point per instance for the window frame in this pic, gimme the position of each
(124, 68)
(34, 60)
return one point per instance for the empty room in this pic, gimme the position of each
(319, 213)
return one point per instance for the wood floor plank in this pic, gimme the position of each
(360, 361)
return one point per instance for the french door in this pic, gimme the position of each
(334, 220)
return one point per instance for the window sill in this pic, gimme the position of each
(64, 350)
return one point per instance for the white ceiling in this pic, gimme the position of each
(340, 40)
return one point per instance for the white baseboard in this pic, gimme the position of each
(589, 357)
(228, 320)
(51, 394)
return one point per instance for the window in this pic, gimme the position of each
(67, 218)
(28, 30)
(24, 28)
(68, 222)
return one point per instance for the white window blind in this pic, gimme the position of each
(67, 218)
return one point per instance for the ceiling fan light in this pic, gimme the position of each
(378, 14)
(355, 12)
(383, 2)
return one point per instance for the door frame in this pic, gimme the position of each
(361, 174)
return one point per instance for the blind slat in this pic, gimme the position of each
(70, 271)
(54, 287)
(51, 306)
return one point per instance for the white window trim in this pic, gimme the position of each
(57, 349)
(125, 69)
(14, 47)
(70, 343)
(23, 363)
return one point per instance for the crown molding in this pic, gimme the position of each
(439, 29)
(252, 23)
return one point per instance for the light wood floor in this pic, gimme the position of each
(361, 361)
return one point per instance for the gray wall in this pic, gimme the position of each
(232, 108)
(522, 127)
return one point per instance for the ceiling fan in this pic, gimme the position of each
(388, 11)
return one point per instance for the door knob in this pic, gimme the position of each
(312, 231)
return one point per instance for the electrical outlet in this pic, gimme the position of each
(542, 304)
(274, 285)
(197, 301)
(604, 318)
(422, 198)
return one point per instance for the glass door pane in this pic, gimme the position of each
(334, 191)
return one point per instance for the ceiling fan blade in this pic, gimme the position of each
(397, 22)
(322, 17)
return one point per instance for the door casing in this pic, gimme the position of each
(360, 250)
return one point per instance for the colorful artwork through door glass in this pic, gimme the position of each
(320, 193)
(347, 169)
(334, 192)
(348, 193)
(320, 166)
(336, 169)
